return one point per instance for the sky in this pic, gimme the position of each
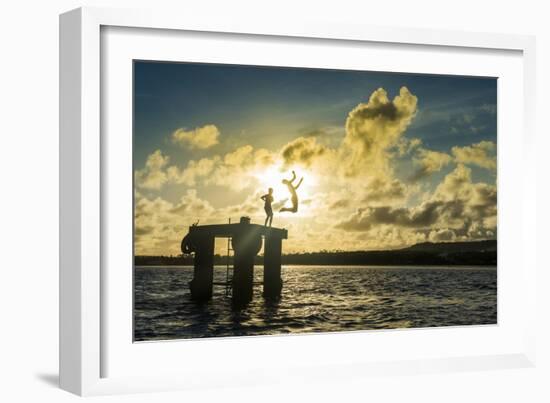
(387, 159)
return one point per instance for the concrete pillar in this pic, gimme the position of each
(203, 275)
(246, 245)
(273, 283)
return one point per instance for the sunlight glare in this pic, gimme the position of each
(272, 177)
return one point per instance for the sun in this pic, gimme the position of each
(271, 177)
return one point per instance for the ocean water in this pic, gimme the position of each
(316, 299)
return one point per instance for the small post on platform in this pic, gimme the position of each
(273, 282)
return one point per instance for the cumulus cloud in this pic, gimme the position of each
(429, 162)
(156, 173)
(442, 235)
(302, 151)
(241, 156)
(406, 146)
(422, 216)
(384, 190)
(340, 204)
(160, 224)
(238, 169)
(373, 128)
(200, 137)
(481, 154)
(227, 170)
(190, 206)
(235, 169)
(458, 185)
(195, 171)
(385, 236)
(153, 175)
(457, 204)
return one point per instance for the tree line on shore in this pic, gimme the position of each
(443, 253)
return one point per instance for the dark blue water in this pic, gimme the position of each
(317, 299)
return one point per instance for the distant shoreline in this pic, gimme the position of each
(476, 253)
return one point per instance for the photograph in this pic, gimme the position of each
(276, 200)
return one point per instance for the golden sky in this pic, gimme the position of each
(376, 176)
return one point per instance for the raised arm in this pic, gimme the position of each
(299, 183)
(293, 177)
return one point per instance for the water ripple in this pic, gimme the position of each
(317, 299)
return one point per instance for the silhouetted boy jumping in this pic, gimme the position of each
(292, 190)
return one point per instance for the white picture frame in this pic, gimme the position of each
(85, 345)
